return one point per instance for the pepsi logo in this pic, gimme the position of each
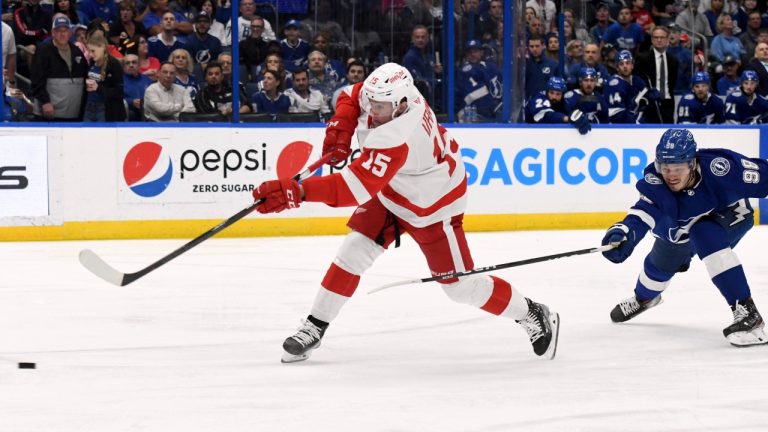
(147, 169)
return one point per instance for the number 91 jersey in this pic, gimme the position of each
(411, 163)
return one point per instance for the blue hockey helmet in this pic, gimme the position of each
(675, 146)
(587, 72)
(700, 78)
(749, 75)
(556, 84)
(624, 55)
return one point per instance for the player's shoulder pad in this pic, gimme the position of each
(569, 94)
(719, 162)
(689, 96)
(467, 67)
(735, 94)
(397, 131)
(613, 82)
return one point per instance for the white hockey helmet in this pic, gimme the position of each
(390, 82)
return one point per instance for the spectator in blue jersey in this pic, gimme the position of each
(694, 203)
(202, 46)
(165, 42)
(624, 34)
(730, 81)
(184, 71)
(420, 62)
(134, 86)
(294, 49)
(603, 17)
(746, 106)
(700, 106)
(591, 59)
(538, 67)
(725, 43)
(586, 100)
(322, 76)
(478, 83)
(104, 9)
(153, 20)
(270, 99)
(627, 94)
(549, 108)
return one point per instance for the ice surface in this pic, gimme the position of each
(196, 345)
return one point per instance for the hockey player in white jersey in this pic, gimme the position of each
(409, 178)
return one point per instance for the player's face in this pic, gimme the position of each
(676, 176)
(587, 85)
(701, 90)
(748, 87)
(381, 112)
(554, 96)
(625, 68)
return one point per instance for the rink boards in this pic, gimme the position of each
(160, 182)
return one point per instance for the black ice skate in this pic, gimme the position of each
(542, 327)
(300, 346)
(748, 326)
(632, 307)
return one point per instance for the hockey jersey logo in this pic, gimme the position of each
(720, 166)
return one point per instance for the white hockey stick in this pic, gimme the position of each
(494, 267)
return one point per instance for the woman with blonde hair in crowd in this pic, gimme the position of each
(184, 67)
(104, 84)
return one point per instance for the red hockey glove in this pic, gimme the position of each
(278, 195)
(338, 143)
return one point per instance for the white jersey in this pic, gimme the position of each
(411, 163)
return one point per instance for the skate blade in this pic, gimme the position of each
(745, 339)
(554, 324)
(291, 358)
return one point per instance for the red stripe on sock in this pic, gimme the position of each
(340, 281)
(502, 293)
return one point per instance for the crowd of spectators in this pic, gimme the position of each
(298, 62)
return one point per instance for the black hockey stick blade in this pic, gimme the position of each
(494, 267)
(100, 268)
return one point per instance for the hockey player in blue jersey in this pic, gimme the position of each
(700, 105)
(586, 100)
(745, 106)
(628, 95)
(478, 82)
(694, 203)
(548, 107)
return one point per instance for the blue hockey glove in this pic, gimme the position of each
(580, 122)
(624, 239)
(653, 95)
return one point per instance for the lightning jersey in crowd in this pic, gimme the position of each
(692, 110)
(624, 99)
(740, 110)
(539, 109)
(727, 179)
(479, 84)
(594, 105)
(295, 55)
(410, 163)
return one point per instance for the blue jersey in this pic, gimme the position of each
(623, 99)
(203, 50)
(479, 84)
(539, 109)
(725, 86)
(602, 75)
(594, 105)
(295, 56)
(537, 73)
(262, 103)
(624, 39)
(740, 110)
(692, 110)
(727, 178)
(161, 51)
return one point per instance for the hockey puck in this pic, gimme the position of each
(27, 365)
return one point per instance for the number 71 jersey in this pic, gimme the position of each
(412, 164)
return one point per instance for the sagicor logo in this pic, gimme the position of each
(147, 169)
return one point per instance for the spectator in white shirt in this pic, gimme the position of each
(303, 98)
(164, 100)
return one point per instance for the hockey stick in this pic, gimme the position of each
(100, 268)
(495, 267)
